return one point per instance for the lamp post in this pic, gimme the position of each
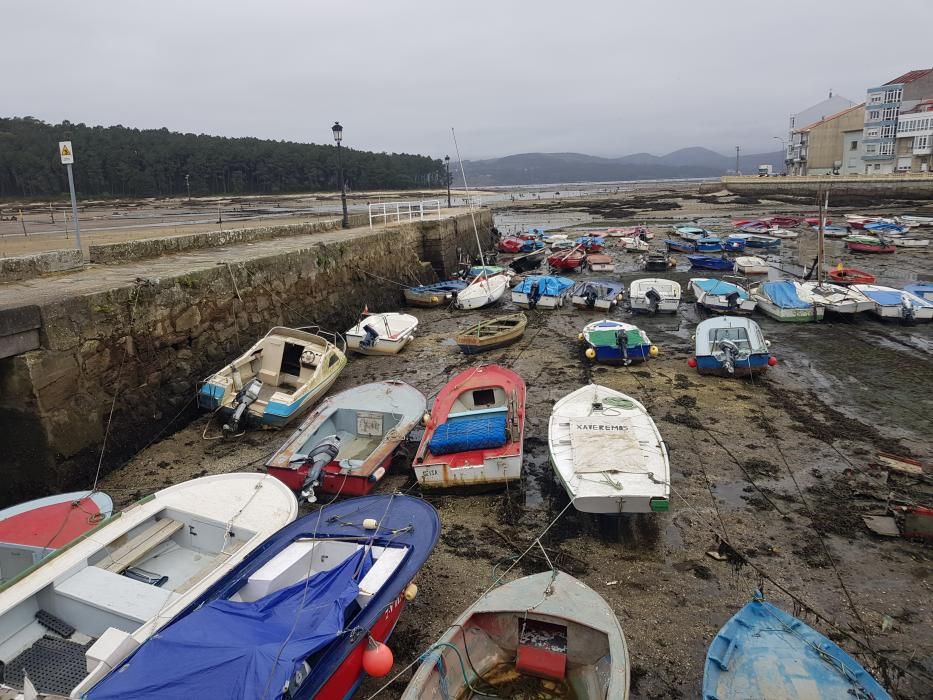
(784, 149)
(737, 161)
(447, 165)
(338, 137)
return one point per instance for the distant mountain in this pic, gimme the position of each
(544, 168)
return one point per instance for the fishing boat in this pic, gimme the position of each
(571, 260)
(528, 261)
(680, 246)
(868, 244)
(66, 622)
(780, 300)
(568, 643)
(590, 244)
(474, 434)
(924, 290)
(634, 245)
(784, 220)
(734, 244)
(491, 334)
(301, 617)
(911, 242)
(382, 334)
(758, 226)
(483, 290)
(346, 444)
(709, 262)
(834, 297)
(437, 294)
(541, 292)
(600, 262)
(659, 261)
(850, 275)
(783, 233)
(887, 227)
(607, 453)
(721, 296)
(614, 342)
(755, 241)
(630, 232)
(597, 294)
(512, 244)
(730, 346)
(31, 531)
(652, 295)
(563, 244)
(835, 231)
(751, 265)
(709, 244)
(857, 221)
(764, 652)
(691, 233)
(888, 302)
(276, 380)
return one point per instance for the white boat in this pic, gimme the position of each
(73, 617)
(750, 265)
(654, 295)
(834, 297)
(721, 296)
(541, 292)
(634, 244)
(914, 220)
(382, 334)
(276, 380)
(896, 303)
(483, 291)
(911, 242)
(597, 294)
(780, 300)
(782, 233)
(608, 453)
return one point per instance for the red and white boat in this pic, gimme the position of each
(784, 220)
(571, 260)
(346, 445)
(474, 434)
(850, 275)
(511, 245)
(31, 531)
(866, 247)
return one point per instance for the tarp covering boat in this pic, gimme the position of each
(548, 285)
(783, 293)
(465, 434)
(715, 286)
(244, 650)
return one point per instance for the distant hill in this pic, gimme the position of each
(543, 168)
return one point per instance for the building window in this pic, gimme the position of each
(876, 98)
(887, 131)
(887, 149)
(889, 113)
(872, 133)
(893, 95)
(871, 148)
(877, 167)
(853, 145)
(874, 115)
(853, 162)
(921, 142)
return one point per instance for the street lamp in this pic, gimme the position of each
(447, 164)
(784, 149)
(338, 137)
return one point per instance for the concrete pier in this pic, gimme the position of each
(150, 329)
(918, 186)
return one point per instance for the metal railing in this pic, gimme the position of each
(384, 212)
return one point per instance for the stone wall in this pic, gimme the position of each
(24, 267)
(155, 340)
(919, 187)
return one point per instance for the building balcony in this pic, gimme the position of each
(923, 151)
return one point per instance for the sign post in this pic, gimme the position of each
(68, 157)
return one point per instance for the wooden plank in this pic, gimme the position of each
(124, 557)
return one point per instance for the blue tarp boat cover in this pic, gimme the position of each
(465, 434)
(784, 294)
(446, 286)
(548, 285)
(884, 297)
(240, 650)
(714, 286)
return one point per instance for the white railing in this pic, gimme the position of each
(384, 212)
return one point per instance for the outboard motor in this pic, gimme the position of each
(322, 454)
(370, 338)
(622, 343)
(247, 395)
(732, 300)
(730, 353)
(654, 298)
(590, 296)
(534, 294)
(909, 313)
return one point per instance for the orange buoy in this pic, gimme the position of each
(692, 362)
(377, 659)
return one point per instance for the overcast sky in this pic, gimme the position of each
(606, 77)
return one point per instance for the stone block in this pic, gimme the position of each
(188, 319)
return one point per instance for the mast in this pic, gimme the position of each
(483, 278)
(824, 208)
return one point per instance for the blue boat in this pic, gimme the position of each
(734, 244)
(721, 296)
(763, 652)
(691, 233)
(530, 244)
(885, 227)
(616, 342)
(753, 241)
(541, 291)
(709, 244)
(295, 615)
(730, 346)
(437, 294)
(924, 290)
(680, 246)
(709, 262)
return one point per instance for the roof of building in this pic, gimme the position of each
(910, 76)
(831, 117)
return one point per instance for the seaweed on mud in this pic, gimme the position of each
(761, 467)
(684, 419)
(682, 382)
(464, 542)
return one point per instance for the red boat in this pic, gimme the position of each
(474, 434)
(850, 275)
(739, 223)
(815, 221)
(857, 247)
(528, 236)
(346, 445)
(570, 260)
(784, 220)
(511, 245)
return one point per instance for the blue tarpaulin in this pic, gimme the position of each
(784, 294)
(884, 297)
(465, 434)
(717, 287)
(239, 650)
(548, 285)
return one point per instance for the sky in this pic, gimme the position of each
(604, 77)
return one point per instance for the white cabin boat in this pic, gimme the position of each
(654, 295)
(382, 334)
(607, 453)
(834, 297)
(888, 302)
(780, 300)
(74, 616)
(721, 296)
(484, 290)
(751, 265)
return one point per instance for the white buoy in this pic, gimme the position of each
(370, 524)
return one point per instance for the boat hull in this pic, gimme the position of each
(472, 342)
(490, 473)
(786, 315)
(545, 302)
(870, 248)
(382, 346)
(756, 364)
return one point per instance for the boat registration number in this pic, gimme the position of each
(369, 423)
(428, 473)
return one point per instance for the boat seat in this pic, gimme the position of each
(478, 412)
(125, 556)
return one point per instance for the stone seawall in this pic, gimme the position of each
(918, 187)
(24, 267)
(153, 341)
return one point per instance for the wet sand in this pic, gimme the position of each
(783, 465)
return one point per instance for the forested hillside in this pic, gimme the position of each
(122, 162)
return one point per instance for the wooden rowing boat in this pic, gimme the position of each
(491, 334)
(850, 275)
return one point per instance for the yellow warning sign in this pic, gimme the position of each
(66, 152)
